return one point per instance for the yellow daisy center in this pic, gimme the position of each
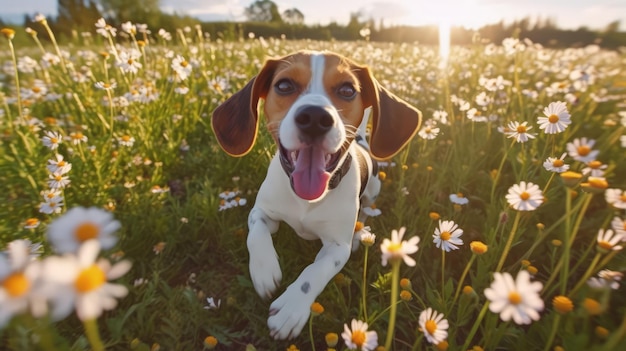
(54, 140)
(605, 244)
(126, 137)
(184, 64)
(358, 338)
(86, 231)
(445, 236)
(595, 164)
(394, 247)
(32, 221)
(584, 150)
(515, 298)
(90, 279)
(558, 163)
(58, 178)
(130, 61)
(16, 284)
(524, 196)
(36, 89)
(61, 163)
(431, 326)
(623, 199)
(553, 118)
(78, 135)
(521, 129)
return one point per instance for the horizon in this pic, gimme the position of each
(471, 14)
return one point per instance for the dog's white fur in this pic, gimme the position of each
(330, 218)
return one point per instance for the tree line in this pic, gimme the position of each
(264, 19)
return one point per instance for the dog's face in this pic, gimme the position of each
(314, 103)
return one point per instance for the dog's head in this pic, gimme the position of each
(314, 104)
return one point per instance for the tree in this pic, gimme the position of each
(137, 11)
(78, 15)
(263, 11)
(293, 16)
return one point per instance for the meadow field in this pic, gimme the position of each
(123, 224)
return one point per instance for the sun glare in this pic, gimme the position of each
(444, 43)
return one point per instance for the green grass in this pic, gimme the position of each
(204, 250)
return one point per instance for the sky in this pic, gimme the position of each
(569, 14)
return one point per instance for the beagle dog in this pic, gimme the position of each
(317, 105)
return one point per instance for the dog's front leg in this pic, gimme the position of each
(290, 312)
(264, 268)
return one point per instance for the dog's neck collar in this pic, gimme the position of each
(335, 179)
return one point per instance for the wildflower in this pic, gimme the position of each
(433, 325)
(519, 131)
(562, 304)
(601, 332)
(317, 309)
(8, 33)
(570, 178)
(358, 336)
(331, 339)
(181, 67)
(593, 307)
(524, 196)
(81, 224)
(616, 198)
(447, 236)
(396, 248)
(405, 295)
(366, 237)
(442, 346)
(459, 199)
(210, 342)
(31, 223)
(595, 185)
(59, 166)
(76, 138)
(478, 247)
(556, 118)
(129, 61)
(105, 86)
(428, 132)
(19, 283)
(104, 29)
(594, 168)
(580, 149)
(158, 248)
(434, 216)
(50, 206)
(58, 181)
(518, 299)
(126, 140)
(51, 140)
(129, 27)
(557, 165)
(619, 226)
(79, 281)
(211, 304)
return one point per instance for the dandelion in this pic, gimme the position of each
(82, 282)
(357, 336)
(433, 325)
(81, 224)
(556, 165)
(519, 131)
(19, 283)
(515, 299)
(51, 139)
(556, 118)
(524, 196)
(447, 236)
(58, 166)
(396, 248)
(616, 198)
(580, 149)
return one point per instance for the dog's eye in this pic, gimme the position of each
(284, 87)
(346, 91)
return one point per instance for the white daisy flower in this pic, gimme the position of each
(126, 140)
(606, 279)
(608, 240)
(556, 118)
(357, 336)
(80, 224)
(433, 325)
(58, 166)
(580, 149)
(428, 132)
(619, 226)
(58, 181)
(51, 139)
(77, 137)
(524, 196)
(105, 86)
(594, 168)
(519, 131)
(104, 29)
(447, 236)
(20, 283)
(616, 198)
(129, 61)
(182, 67)
(515, 299)
(396, 248)
(212, 305)
(50, 206)
(557, 165)
(82, 283)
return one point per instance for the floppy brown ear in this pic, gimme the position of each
(236, 121)
(394, 121)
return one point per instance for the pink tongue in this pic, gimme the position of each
(310, 177)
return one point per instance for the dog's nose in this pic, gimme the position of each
(314, 120)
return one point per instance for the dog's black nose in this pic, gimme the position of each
(314, 120)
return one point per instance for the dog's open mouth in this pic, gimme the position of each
(310, 169)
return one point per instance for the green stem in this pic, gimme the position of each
(472, 332)
(311, 332)
(17, 80)
(509, 242)
(555, 327)
(566, 240)
(460, 284)
(364, 285)
(395, 274)
(588, 273)
(93, 335)
(497, 178)
(443, 282)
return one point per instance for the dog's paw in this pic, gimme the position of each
(288, 315)
(265, 273)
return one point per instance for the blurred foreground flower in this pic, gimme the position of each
(80, 224)
(396, 248)
(517, 299)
